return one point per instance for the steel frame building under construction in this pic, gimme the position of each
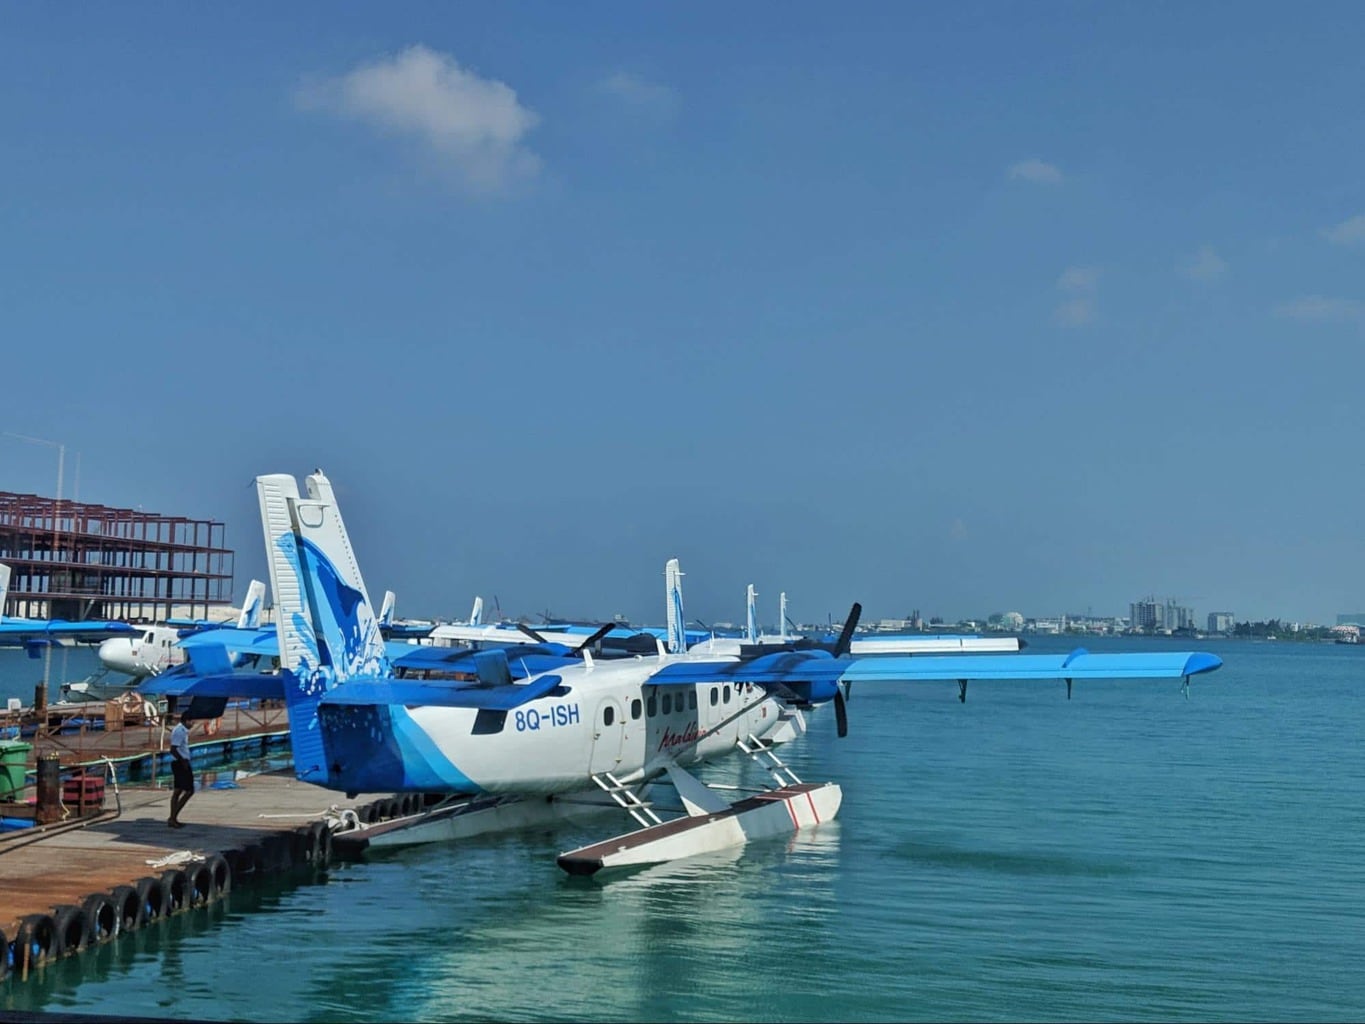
(74, 560)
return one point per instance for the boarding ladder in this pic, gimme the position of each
(627, 798)
(762, 753)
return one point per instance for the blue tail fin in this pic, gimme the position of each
(677, 635)
(327, 629)
(251, 607)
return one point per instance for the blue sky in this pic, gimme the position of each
(964, 308)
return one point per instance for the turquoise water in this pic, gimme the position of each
(19, 673)
(1127, 855)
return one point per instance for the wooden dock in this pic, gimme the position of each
(232, 818)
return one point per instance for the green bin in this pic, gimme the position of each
(13, 768)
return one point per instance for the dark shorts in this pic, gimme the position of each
(183, 774)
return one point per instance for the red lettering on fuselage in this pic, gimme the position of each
(672, 739)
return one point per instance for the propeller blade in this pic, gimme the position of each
(601, 632)
(531, 633)
(846, 637)
(840, 713)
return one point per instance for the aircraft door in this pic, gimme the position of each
(609, 732)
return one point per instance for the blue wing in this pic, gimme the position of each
(814, 675)
(18, 632)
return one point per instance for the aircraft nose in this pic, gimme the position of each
(117, 653)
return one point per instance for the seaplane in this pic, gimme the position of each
(153, 649)
(506, 737)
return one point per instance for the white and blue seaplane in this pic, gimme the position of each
(152, 649)
(512, 736)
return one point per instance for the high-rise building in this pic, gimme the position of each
(1221, 622)
(1152, 616)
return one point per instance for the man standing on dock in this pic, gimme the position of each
(181, 771)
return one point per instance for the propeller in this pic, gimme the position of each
(840, 713)
(841, 647)
(602, 631)
(531, 633)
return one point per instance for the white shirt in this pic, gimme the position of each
(180, 740)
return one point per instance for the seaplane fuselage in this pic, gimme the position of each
(604, 717)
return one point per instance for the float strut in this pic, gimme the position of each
(962, 690)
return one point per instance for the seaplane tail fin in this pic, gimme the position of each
(251, 607)
(326, 626)
(386, 611)
(752, 635)
(476, 613)
(4, 586)
(677, 637)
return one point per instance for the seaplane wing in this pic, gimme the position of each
(31, 632)
(491, 634)
(521, 662)
(794, 668)
(505, 697)
(183, 682)
(933, 645)
(36, 633)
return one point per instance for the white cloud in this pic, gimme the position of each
(474, 125)
(1075, 312)
(1037, 171)
(1080, 283)
(640, 93)
(1348, 232)
(1205, 265)
(1079, 279)
(1322, 309)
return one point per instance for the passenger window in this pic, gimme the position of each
(668, 703)
(652, 706)
(715, 696)
(725, 693)
(635, 708)
(608, 715)
(692, 700)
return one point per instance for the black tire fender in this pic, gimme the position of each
(101, 918)
(279, 852)
(151, 898)
(201, 884)
(251, 861)
(71, 926)
(36, 942)
(128, 907)
(220, 872)
(175, 888)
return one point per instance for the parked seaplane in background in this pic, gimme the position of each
(411, 630)
(153, 649)
(36, 634)
(505, 737)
